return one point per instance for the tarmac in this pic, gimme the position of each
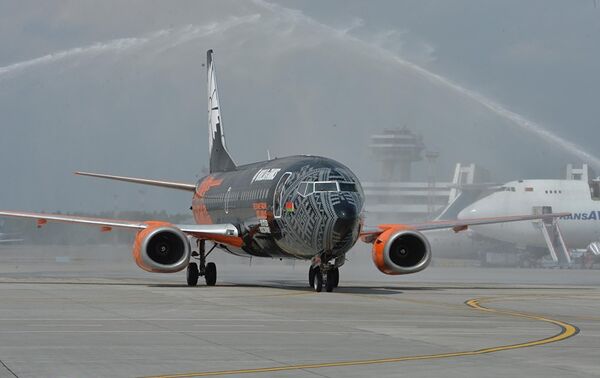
(82, 311)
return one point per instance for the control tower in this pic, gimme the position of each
(396, 150)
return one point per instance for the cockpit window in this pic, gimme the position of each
(347, 187)
(310, 188)
(326, 187)
(302, 187)
(306, 188)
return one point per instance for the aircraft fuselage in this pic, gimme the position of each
(297, 207)
(579, 229)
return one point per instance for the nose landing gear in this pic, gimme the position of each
(315, 278)
(209, 271)
(333, 279)
(324, 274)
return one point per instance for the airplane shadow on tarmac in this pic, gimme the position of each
(373, 289)
(302, 287)
(292, 286)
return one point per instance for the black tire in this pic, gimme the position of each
(318, 282)
(210, 275)
(336, 277)
(192, 274)
(330, 282)
(311, 277)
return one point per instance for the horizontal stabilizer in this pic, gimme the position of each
(164, 184)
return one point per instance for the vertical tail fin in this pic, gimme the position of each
(220, 160)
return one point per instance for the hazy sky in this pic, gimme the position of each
(119, 87)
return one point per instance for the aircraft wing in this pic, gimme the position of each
(456, 224)
(216, 230)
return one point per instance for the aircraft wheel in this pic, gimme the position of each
(211, 274)
(311, 276)
(330, 283)
(192, 274)
(318, 281)
(336, 277)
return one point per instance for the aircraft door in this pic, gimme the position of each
(226, 202)
(278, 195)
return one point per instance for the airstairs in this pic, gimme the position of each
(553, 237)
(594, 248)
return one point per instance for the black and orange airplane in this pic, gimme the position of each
(298, 207)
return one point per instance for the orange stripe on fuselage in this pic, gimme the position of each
(261, 210)
(201, 214)
(233, 241)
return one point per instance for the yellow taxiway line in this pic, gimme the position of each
(566, 330)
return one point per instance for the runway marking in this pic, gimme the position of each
(64, 325)
(566, 331)
(170, 331)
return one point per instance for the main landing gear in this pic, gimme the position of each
(209, 271)
(324, 274)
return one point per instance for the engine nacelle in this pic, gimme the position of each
(161, 248)
(401, 251)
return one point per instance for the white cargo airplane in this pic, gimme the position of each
(579, 230)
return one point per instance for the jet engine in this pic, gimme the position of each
(401, 251)
(161, 248)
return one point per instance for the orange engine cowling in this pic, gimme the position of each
(161, 248)
(401, 251)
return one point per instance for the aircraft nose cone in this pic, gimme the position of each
(467, 212)
(479, 209)
(346, 224)
(346, 211)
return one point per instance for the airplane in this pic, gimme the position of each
(298, 207)
(577, 229)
